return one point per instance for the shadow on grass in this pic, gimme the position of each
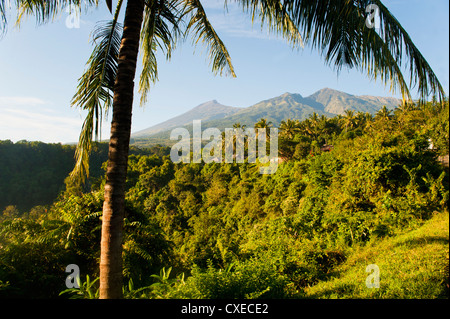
(426, 240)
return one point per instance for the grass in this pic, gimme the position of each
(413, 265)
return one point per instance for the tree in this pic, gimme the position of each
(263, 123)
(336, 28)
(348, 120)
(383, 114)
(288, 128)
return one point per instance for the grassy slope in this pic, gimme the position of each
(412, 265)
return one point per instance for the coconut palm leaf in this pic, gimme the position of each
(109, 5)
(160, 30)
(3, 20)
(45, 11)
(273, 14)
(95, 88)
(202, 30)
(338, 30)
(421, 74)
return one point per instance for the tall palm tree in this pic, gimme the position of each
(348, 120)
(335, 27)
(383, 114)
(238, 125)
(263, 123)
(289, 128)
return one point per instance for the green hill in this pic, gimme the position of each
(413, 265)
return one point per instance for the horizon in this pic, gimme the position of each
(214, 101)
(36, 89)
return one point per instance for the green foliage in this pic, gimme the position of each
(87, 289)
(34, 173)
(247, 280)
(413, 265)
(225, 231)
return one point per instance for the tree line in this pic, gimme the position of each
(34, 173)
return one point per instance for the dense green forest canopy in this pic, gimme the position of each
(225, 231)
(33, 173)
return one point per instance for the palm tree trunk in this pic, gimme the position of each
(114, 204)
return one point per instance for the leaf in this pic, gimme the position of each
(160, 30)
(203, 31)
(109, 4)
(95, 88)
(130, 285)
(45, 11)
(3, 21)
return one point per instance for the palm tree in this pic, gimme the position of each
(263, 123)
(383, 114)
(312, 125)
(336, 28)
(360, 120)
(238, 125)
(305, 127)
(289, 128)
(348, 120)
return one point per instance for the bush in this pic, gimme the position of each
(245, 280)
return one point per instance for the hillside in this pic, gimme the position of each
(277, 109)
(33, 173)
(337, 102)
(326, 102)
(226, 231)
(207, 111)
(408, 263)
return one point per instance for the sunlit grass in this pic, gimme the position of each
(412, 265)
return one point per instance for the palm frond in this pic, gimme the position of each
(45, 11)
(3, 20)
(338, 30)
(109, 5)
(160, 30)
(202, 30)
(274, 15)
(421, 74)
(95, 88)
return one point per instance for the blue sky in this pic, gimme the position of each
(39, 68)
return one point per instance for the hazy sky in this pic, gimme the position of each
(40, 66)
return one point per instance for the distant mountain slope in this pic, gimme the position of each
(337, 102)
(282, 107)
(206, 111)
(326, 102)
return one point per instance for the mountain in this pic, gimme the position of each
(282, 107)
(207, 111)
(326, 102)
(337, 102)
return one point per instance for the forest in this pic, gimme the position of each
(351, 190)
(40, 171)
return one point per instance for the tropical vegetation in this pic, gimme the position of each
(337, 29)
(378, 196)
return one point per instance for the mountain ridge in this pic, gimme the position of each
(206, 111)
(328, 102)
